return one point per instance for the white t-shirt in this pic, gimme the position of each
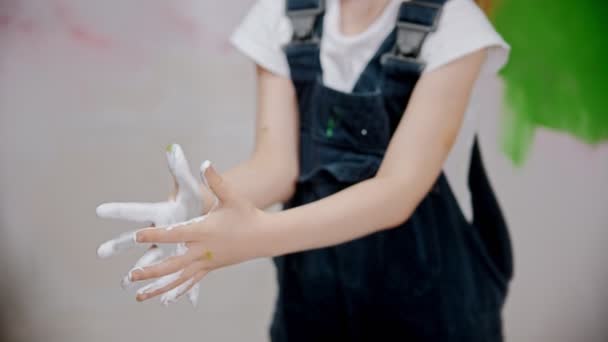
(463, 28)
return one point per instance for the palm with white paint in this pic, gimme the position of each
(187, 204)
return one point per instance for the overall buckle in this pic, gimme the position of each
(437, 8)
(303, 20)
(410, 36)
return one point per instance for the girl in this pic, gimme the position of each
(366, 131)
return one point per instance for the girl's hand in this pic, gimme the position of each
(228, 235)
(185, 203)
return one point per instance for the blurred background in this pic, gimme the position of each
(92, 91)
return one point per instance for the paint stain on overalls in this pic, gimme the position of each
(436, 277)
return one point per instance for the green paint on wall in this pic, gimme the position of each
(556, 77)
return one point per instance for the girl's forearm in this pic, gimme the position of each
(261, 181)
(362, 209)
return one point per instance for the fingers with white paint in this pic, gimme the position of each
(170, 285)
(186, 287)
(194, 290)
(112, 247)
(157, 285)
(193, 294)
(136, 212)
(171, 296)
(188, 191)
(187, 205)
(152, 256)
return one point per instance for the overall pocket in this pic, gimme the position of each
(354, 122)
(337, 170)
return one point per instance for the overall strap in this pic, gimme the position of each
(303, 15)
(416, 19)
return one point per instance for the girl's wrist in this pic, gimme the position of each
(268, 235)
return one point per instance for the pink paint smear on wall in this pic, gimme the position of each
(78, 31)
(94, 25)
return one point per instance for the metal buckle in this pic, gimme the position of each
(401, 58)
(303, 21)
(405, 28)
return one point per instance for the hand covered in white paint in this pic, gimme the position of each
(230, 234)
(186, 204)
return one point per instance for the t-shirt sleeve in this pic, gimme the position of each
(464, 28)
(262, 34)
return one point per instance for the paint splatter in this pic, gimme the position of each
(555, 76)
(139, 27)
(79, 32)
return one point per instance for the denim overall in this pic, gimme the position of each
(436, 277)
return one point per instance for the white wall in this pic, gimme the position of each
(91, 92)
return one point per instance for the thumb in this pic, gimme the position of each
(216, 183)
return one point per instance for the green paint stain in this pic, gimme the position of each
(331, 124)
(557, 71)
(169, 148)
(208, 255)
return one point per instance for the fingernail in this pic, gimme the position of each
(204, 166)
(143, 294)
(147, 289)
(134, 277)
(137, 238)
